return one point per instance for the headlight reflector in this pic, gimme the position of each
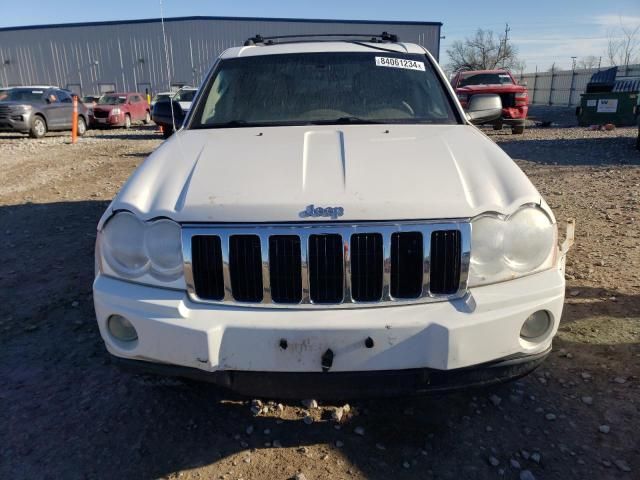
(503, 248)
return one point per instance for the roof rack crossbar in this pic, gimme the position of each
(376, 38)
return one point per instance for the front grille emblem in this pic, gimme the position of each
(313, 211)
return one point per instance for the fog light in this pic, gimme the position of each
(121, 328)
(536, 325)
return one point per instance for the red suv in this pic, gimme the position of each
(515, 98)
(121, 110)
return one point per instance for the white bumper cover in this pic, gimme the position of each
(481, 327)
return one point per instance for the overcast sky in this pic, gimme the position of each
(545, 31)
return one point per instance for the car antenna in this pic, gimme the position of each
(166, 56)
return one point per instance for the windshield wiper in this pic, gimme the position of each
(345, 121)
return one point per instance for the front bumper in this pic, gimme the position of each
(18, 122)
(349, 385)
(110, 121)
(481, 328)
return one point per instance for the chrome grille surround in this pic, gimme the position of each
(345, 230)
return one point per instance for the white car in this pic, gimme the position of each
(328, 223)
(185, 97)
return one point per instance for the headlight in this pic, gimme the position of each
(123, 245)
(150, 252)
(503, 248)
(164, 248)
(115, 111)
(528, 239)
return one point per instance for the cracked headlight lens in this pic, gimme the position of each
(503, 248)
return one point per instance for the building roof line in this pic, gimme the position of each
(244, 19)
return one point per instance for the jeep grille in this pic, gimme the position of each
(327, 265)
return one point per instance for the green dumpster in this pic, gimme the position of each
(607, 107)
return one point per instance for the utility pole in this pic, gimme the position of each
(503, 44)
(573, 76)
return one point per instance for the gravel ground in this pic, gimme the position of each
(66, 412)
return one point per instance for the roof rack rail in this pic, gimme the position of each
(384, 37)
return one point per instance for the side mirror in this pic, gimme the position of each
(162, 109)
(47, 100)
(484, 108)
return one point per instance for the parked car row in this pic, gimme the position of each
(38, 109)
(35, 110)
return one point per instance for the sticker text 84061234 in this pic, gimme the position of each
(399, 63)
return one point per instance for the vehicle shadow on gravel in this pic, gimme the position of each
(573, 152)
(67, 412)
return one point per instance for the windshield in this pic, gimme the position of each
(485, 79)
(161, 96)
(323, 88)
(22, 95)
(185, 96)
(112, 100)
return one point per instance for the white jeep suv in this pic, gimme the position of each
(329, 224)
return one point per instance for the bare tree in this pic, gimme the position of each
(590, 61)
(623, 45)
(484, 51)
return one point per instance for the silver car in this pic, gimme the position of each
(37, 110)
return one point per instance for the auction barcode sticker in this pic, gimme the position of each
(399, 63)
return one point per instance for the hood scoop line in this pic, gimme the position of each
(185, 189)
(324, 163)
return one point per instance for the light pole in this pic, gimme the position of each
(573, 75)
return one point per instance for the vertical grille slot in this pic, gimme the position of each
(326, 268)
(245, 264)
(406, 264)
(285, 264)
(206, 254)
(366, 267)
(446, 246)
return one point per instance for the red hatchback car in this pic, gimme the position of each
(121, 110)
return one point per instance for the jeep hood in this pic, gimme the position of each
(373, 172)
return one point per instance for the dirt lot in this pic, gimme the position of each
(66, 412)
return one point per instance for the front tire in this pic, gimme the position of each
(497, 126)
(167, 131)
(38, 127)
(82, 126)
(518, 130)
(127, 121)
(147, 118)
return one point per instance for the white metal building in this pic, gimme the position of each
(130, 55)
